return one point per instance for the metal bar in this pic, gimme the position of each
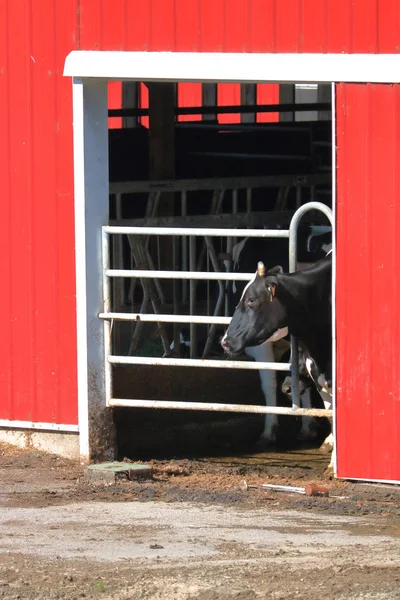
(105, 239)
(165, 318)
(275, 219)
(175, 295)
(42, 426)
(192, 296)
(221, 295)
(197, 232)
(295, 223)
(215, 407)
(294, 356)
(249, 156)
(118, 262)
(298, 196)
(188, 362)
(148, 274)
(248, 200)
(228, 109)
(184, 246)
(217, 183)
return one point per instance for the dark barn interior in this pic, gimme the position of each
(202, 174)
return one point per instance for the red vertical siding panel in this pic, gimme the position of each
(368, 391)
(137, 24)
(388, 26)
(6, 347)
(262, 25)
(38, 356)
(289, 37)
(262, 33)
(189, 94)
(66, 40)
(44, 230)
(113, 38)
(338, 26)
(101, 29)
(138, 31)
(313, 26)
(212, 25)
(23, 370)
(144, 103)
(267, 93)
(162, 25)
(91, 25)
(236, 39)
(187, 39)
(365, 26)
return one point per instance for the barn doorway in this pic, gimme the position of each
(247, 174)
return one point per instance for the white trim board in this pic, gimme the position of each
(42, 426)
(234, 67)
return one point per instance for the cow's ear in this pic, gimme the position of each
(275, 270)
(271, 289)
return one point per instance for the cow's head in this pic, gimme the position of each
(259, 316)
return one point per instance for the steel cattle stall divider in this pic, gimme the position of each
(108, 316)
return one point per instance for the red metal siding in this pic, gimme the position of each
(38, 349)
(368, 287)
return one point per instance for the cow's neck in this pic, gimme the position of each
(307, 319)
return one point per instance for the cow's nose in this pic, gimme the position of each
(286, 389)
(225, 344)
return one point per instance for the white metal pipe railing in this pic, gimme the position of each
(196, 319)
(192, 319)
(294, 223)
(149, 274)
(196, 231)
(215, 407)
(197, 362)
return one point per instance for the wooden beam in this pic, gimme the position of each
(162, 130)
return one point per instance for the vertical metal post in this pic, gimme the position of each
(175, 294)
(298, 196)
(107, 308)
(192, 296)
(230, 242)
(248, 200)
(184, 247)
(294, 223)
(119, 284)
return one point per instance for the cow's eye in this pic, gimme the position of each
(251, 301)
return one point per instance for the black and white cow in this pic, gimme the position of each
(312, 245)
(274, 304)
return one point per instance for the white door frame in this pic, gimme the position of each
(91, 71)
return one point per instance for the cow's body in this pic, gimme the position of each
(311, 247)
(300, 303)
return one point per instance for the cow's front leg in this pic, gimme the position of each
(265, 353)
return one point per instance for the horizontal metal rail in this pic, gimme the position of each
(197, 231)
(148, 274)
(219, 183)
(197, 362)
(197, 319)
(215, 407)
(108, 316)
(225, 109)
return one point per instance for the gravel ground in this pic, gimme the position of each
(191, 532)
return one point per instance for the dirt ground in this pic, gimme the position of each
(191, 532)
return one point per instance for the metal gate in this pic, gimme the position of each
(109, 317)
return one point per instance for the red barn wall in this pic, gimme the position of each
(368, 285)
(37, 306)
